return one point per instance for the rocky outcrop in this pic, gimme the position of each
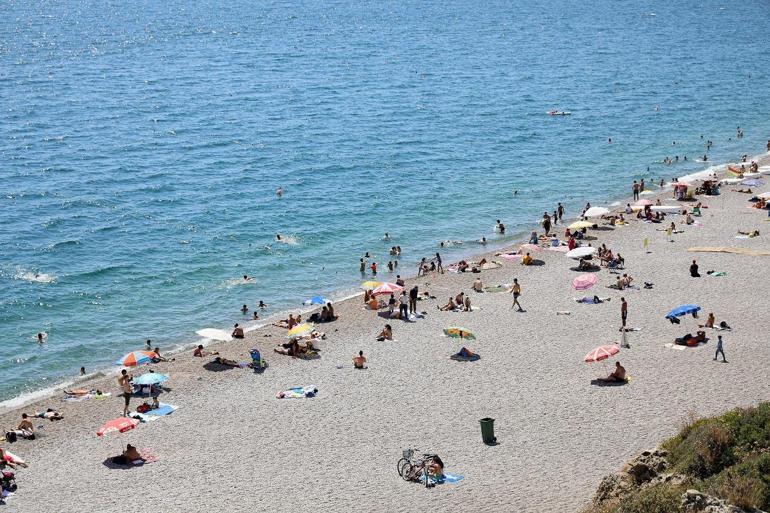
(694, 501)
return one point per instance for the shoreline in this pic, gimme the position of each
(250, 325)
(531, 379)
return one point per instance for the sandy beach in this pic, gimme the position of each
(232, 445)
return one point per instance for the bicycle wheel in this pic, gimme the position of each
(407, 470)
(400, 466)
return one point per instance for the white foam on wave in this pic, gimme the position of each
(289, 240)
(34, 277)
(234, 282)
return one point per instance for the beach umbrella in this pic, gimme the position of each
(764, 195)
(644, 203)
(601, 353)
(369, 285)
(119, 425)
(530, 247)
(579, 225)
(300, 330)
(680, 184)
(646, 192)
(387, 288)
(681, 310)
(151, 378)
(316, 300)
(135, 358)
(585, 281)
(596, 212)
(458, 332)
(581, 252)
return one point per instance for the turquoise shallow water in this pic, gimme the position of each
(141, 145)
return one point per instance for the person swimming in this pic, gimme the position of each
(279, 192)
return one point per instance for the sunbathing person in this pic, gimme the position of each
(6, 460)
(751, 234)
(462, 266)
(477, 285)
(467, 304)
(745, 191)
(286, 323)
(449, 306)
(25, 429)
(200, 353)
(49, 414)
(617, 376)
(237, 331)
(359, 361)
(227, 362)
(460, 299)
(526, 259)
(626, 279)
(710, 320)
(386, 333)
(129, 456)
(435, 467)
(374, 304)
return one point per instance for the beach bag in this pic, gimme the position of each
(10, 436)
(143, 408)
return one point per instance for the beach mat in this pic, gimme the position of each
(600, 383)
(725, 249)
(458, 358)
(297, 393)
(447, 478)
(162, 410)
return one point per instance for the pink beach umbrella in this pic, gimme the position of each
(585, 281)
(644, 203)
(387, 288)
(601, 353)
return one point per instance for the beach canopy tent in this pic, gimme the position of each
(458, 332)
(682, 310)
(151, 378)
(119, 425)
(601, 353)
(135, 358)
(579, 225)
(596, 212)
(581, 252)
(585, 281)
(316, 300)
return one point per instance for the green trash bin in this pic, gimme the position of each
(488, 431)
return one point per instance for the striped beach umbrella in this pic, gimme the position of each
(135, 358)
(119, 425)
(387, 288)
(458, 332)
(601, 353)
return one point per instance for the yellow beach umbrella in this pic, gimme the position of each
(369, 285)
(300, 329)
(579, 225)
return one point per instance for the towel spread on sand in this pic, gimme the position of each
(298, 392)
(78, 398)
(446, 478)
(725, 249)
(150, 415)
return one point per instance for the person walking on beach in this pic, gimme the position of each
(125, 385)
(516, 292)
(546, 223)
(623, 312)
(413, 293)
(635, 188)
(560, 211)
(720, 350)
(439, 267)
(403, 305)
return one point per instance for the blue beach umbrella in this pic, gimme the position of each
(151, 378)
(316, 300)
(681, 310)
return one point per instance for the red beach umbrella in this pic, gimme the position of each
(387, 288)
(601, 353)
(119, 425)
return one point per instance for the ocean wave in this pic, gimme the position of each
(34, 277)
(63, 244)
(99, 272)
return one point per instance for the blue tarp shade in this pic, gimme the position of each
(682, 310)
(752, 182)
(316, 300)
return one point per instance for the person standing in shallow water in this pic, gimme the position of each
(635, 189)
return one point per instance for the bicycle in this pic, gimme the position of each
(414, 469)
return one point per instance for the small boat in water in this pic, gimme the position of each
(558, 113)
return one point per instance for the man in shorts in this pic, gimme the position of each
(125, 386)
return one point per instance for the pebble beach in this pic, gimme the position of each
(231, 444)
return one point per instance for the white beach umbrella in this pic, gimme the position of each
(580, 252)
(596, 212)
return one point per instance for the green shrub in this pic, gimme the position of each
(654, 499)
(746, 484)
(750, 428)
(704, 449)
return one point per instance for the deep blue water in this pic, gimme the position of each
(141, 144)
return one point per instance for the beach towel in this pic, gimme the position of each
(724, 249)
(447, 478)
(717, 273)
(465, 355)
(491, 265)
(511, 256)
(298, 392)
(560, 249)
(162, 410)
(78, 398)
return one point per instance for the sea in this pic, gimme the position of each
(142, 144)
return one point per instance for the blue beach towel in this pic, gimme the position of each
(161, 411)
(447, 478)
